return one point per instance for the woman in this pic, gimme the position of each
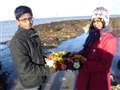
(99, 49)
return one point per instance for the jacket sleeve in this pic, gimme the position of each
(105, 59)
(21, 57)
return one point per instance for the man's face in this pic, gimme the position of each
(25, 21)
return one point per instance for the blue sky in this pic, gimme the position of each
(57, 8)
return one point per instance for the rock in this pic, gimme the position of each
(52, 34)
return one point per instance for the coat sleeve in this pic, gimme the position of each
(105, 59)
(29, 73)
(21, 58)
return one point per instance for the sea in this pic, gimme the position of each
(8, 29)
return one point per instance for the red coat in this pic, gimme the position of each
(95, 73)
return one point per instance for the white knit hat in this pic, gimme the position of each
(101, 12)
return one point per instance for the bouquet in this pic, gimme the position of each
(65, 60)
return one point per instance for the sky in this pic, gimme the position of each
(57, 8)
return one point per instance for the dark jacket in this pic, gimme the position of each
(28, 57)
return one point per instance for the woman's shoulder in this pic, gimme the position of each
(110, 35)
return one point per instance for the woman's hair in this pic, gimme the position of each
(101, 19)
(20, 10)
(94, 35)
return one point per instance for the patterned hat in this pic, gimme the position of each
(101, 12)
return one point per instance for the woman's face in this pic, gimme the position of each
(98, 23)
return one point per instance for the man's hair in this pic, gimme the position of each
(20, 10)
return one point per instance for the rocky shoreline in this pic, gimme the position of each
(53, 33)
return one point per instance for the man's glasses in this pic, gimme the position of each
(30, 19)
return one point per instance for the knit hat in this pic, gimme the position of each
(22, 10)
(101, 12)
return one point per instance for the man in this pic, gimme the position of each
(26, 51)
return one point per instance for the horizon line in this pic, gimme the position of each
(63, 17)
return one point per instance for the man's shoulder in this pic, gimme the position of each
(19, 34)
(17, 37)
